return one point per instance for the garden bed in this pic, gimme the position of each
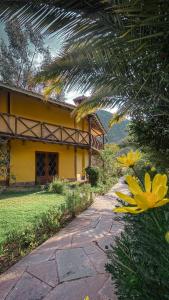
(21, 209)
(27, 219)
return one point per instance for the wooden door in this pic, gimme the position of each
(46, 167)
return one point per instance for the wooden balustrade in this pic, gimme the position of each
(23, 128)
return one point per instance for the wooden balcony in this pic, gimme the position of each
(17, 127)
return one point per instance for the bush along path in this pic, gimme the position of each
(71, 264)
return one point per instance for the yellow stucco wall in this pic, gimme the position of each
(22, 154)
(22, 159)
(31, 108)
(82, 161)
(3, 101)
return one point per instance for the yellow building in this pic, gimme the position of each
(43, 139)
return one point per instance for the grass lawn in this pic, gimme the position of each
(20, 209)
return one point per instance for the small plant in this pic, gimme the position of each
(93, 175)
(57, 186)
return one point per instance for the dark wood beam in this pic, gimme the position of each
(26, 129)
(9, 143)
(75, 162)
(90, 141)
(103, 141)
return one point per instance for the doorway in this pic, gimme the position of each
(46, 167)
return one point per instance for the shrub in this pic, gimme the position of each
(57, 186)
(139, 261)
(104, 187)
(93, 175)
(79, 199)
(109, 170)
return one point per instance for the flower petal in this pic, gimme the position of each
(147, 181)
(162, 202)
(120, 209)
(164, 179)
(162, 191)
(133, 185)
(155, 183)
(134, 210)
(158, 181)
(142, 202)
(126, 198)
(124, 209)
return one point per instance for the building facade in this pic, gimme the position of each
(42, 139)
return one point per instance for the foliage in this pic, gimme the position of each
(116, 133)
(149, 131)
(109, 170)
(19, 55)
(139, 260)
(117, 50)
(20, 241)
(103, 187)
(79, 198)
(4, 160)
(57, 186)
(110, 166)
(93, 175)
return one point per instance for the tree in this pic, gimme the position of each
(117, 50)
(19, 56)
(149, 130)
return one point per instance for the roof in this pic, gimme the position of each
(50, 100)
(35, 95)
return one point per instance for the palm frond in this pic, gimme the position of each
(116, 49)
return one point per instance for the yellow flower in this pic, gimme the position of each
(130, 158)
(167, 236)
(153, 196)
(153, 169)
(87, 298)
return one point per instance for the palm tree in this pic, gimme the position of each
(116, 49)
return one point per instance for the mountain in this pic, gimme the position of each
(115, 134)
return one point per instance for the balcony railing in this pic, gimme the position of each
(23, 128)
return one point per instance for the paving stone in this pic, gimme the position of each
(9, 279)
(78, 289)
(105, 241)
(82, 224)
(29, 288)
(107, 292)
(90, 248)
(36, 257)
(46, 271)
(98, 259)
(73, 264)
(104, 225)
(61, 241)
(82, 238)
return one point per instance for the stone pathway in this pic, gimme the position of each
(71, 264)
